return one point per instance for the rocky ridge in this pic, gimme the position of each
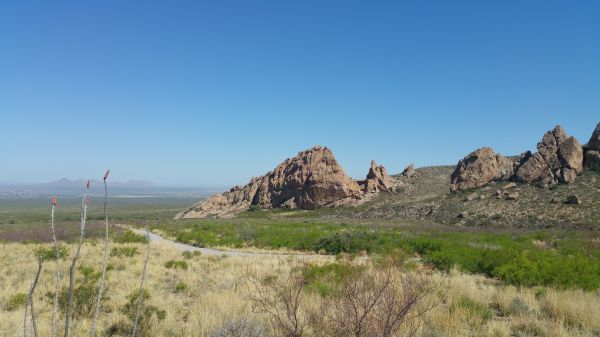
(559, 159)
(310, 180)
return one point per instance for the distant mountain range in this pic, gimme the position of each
(68, 187)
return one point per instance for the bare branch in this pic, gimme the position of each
(57, 275)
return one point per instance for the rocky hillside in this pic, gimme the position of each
(310, 180)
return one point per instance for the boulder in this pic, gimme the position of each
(479, 168)
(573, 200)
(559, 159)
(512, 196)
(310, 180)
(409, 171)
(592, 150)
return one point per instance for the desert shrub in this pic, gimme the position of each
(180, 287)
(254, 208)
(15, 302)
(478, 311)
(149, 315)
(49, 253)
(129, 236)
(190, 254)
(176, 264)
(326, 279)
(519, 307)
(547, 268)
(240, 327)
(346, 242)
(247, 234)
(84, 292)
(124, 251)
(383, 303)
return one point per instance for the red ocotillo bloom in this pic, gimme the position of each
(54, 201)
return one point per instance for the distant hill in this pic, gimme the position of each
(68, 187)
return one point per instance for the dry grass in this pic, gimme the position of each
(216, 293)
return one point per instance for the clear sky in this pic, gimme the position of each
(212, 93)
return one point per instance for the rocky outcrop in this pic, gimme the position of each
(479, 168)
(310, 180)
(377, 179)
(409, 171)
(592, 150)
(559, 159)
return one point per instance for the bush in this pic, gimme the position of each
(347, 242)
(180, 287)
(479, 311)
(189, 254)
(240, 327)
(246, 233)
(124, 251)
(49, 253)
(129, 236)
(15, 302)
(326, 279)
(149, 314)
(84, 292)
(176, 264)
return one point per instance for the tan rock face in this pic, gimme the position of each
(559, 160)
(592, 150)
(409, 171)
(377, 179)
(310, 180)
(479, 168)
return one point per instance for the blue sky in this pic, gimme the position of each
(212, 93)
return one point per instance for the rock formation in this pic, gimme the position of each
(479, 168)
(559, 160)
(310, 180)
(409, 171)
(377, 179)
(592, 150)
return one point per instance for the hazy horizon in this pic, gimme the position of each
(200, 94)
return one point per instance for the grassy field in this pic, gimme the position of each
(209, 296)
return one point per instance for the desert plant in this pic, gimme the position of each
(140, 316)
(383, 303)
(240, 327)
(189, 254)
(104, 258)
(15, 302)
(280, 298)
(29, 302)
(84, 292)
(141, 292)
(176, 264)
(57, 271)
(83, 218)
(124, 251)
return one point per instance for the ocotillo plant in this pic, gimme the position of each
(84, 204)
(141, 291)
(29, 302)
(104, 258)
(57, 275)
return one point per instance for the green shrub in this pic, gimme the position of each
(124, 251)
(15, 302)
(346, 242)
(85, 290)
(187, 254)
(254, 208)
(181, 286)
(246, 233)
(326, 279)
(129, 236)
(49, 253)
(476, 309)
(148, 315)
(176, 264)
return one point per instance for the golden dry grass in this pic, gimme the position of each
(469, 305)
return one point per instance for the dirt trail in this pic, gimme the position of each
(209, 251)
